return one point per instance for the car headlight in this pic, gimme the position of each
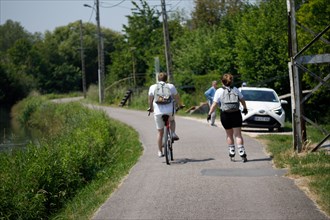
(278, 111)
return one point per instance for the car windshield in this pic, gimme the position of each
(259, 95)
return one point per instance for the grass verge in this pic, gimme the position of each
(78, 157)
(311, 171)
(88, 200)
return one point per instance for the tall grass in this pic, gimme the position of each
(76, 148)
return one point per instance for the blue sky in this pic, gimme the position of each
(42, 15)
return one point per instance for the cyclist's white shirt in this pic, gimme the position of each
(219, 92)
(163, 109)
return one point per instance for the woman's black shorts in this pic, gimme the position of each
(231, 119)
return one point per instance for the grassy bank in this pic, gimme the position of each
(311, 171)
(78, 159)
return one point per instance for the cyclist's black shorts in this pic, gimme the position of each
(231, 119)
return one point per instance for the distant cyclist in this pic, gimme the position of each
(160, 108)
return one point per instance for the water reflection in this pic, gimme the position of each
(11, 135)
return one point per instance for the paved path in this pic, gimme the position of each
(202, 183)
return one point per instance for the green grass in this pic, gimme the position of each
(89, 199)
(80, 158)
(313, 168)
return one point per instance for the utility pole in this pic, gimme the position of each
(167, 43)
(299, 129)
(157, 69)
(100, 54)
(82, 55)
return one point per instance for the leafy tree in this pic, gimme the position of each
(210, 12)
(61, 52)
(206, 13)
(10, 32)
(18, 62)
(261, 46)
(143, 41)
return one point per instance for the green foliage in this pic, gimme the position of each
(144, 40)
(125, 154)
(261, 46)
(37, 182)
(249, 41)
(23, 110)
(10, 32)
(208, 13)
(140, 99)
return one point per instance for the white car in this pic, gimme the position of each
(264, 108)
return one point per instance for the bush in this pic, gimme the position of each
(37, 182)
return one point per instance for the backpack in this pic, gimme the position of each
(162, 93)
(229, 100)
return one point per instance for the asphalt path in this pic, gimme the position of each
(201, 182)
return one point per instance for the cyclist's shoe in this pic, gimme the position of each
(160, 154)
(231, 150)
(175, 137)
(242, 153)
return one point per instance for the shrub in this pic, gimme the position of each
(36, 182)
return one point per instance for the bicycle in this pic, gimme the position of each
(167, 137)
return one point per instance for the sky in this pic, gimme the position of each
(46, 15)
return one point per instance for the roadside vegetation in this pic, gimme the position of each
(310, 170)
(247, 40)
(77, 158)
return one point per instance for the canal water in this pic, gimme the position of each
(11, 135)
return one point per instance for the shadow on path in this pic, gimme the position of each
(187, 160)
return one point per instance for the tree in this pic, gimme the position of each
(210, 12)
(261, 46)
(143, 41)
(18, 63)
(206, 13)
(10, 32)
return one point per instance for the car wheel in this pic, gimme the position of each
(271, 129)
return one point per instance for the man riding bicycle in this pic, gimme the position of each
(166, 108)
